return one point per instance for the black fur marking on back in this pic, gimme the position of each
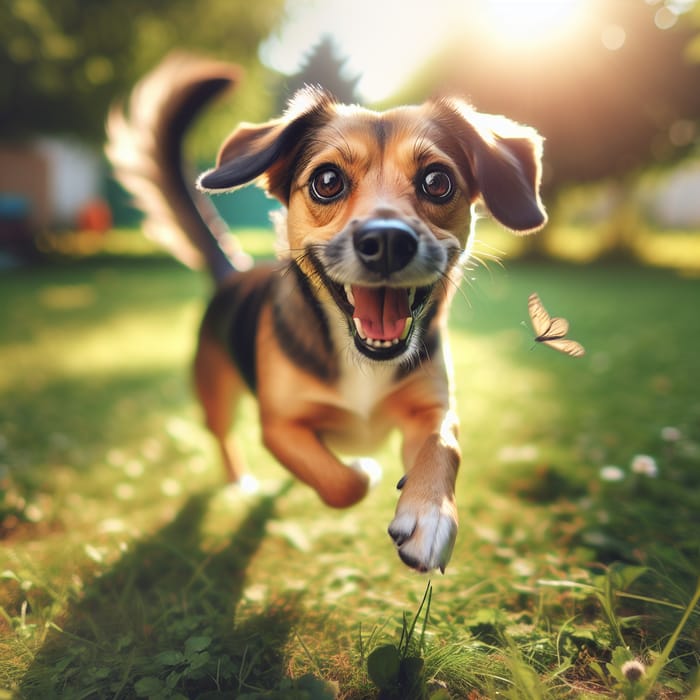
(300, 323)
(233, 315)
(302, 327)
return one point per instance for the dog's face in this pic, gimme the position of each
(379, 205)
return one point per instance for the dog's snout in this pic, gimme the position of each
(385, 245)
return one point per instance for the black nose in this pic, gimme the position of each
(385, 245)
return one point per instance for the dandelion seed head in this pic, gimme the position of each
(645, 465)
(633, 670)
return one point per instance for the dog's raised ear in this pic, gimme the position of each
(266, 150)
(505, 159)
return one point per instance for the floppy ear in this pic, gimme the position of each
(268, 149)
(506, 163)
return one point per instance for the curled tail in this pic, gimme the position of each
(144, 145)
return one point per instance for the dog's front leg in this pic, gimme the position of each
(425, 524)
(299, 449)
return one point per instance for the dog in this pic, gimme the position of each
(343, 338)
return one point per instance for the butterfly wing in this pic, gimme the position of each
(558, 328)
(567, 346)
(551, 331)
(541, 320)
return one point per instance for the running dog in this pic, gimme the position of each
(343, 339)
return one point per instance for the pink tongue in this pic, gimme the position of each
(382, 310)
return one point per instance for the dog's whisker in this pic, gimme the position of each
(480, 247)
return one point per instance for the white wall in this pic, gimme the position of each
(675, 198)
(74, 177)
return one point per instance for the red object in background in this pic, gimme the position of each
(95, 216)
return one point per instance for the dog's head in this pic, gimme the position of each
(380, 205)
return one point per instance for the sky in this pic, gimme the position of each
(386, 41)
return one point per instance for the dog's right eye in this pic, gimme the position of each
(437, 185)
(327, 184)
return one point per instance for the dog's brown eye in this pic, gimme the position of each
(327, 184)
(437, 185)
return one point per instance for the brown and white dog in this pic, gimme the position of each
(344, 338)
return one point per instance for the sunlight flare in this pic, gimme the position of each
(531, 21)
(383, 58)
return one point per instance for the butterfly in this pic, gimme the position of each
(551, 331)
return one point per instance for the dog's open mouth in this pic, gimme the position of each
(383, 318)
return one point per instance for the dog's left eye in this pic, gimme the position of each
(327, 184)
(436, 184)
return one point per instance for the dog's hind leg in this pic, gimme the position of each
(219, 387)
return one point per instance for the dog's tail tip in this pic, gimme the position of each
(144, 144)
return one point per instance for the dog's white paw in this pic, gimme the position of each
(246, 485)
(369, 467)
(425, 534)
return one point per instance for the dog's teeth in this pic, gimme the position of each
(360, 329)
(376, 342)
(411, 296)
(349, 294)
(406, 328)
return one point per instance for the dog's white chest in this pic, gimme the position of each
(363, 386)
(359, 393)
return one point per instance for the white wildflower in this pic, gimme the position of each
(611, 472)
(670, 434)
(645, 465)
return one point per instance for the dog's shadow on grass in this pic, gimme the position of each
(162, 622)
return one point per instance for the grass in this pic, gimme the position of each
(127, 570)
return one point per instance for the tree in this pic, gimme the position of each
(606, 106)
(63, 61)
(325, 67)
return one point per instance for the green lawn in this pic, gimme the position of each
(128, 570)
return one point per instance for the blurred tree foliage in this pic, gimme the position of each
(63, 61)
(616, 95)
